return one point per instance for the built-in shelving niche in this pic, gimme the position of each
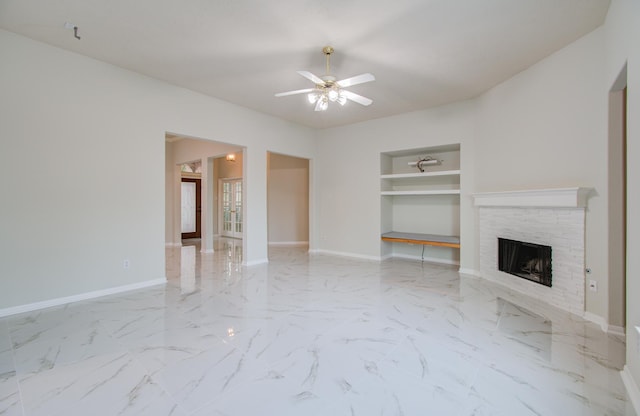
(421, 202)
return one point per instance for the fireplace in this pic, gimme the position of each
(525, 260)
(554, 217)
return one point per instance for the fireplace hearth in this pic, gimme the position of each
(525, 260)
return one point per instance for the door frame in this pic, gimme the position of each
(198, 231)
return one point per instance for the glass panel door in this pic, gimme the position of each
(226, 208)
(237, 187)
(231, 208)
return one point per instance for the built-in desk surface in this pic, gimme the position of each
(426, 239)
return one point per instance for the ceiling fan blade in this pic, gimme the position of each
(358, 79)
(356, 97)
(313, 78)
(284, 94)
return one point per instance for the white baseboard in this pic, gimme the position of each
(80, 297)
(344, 254)
(427, 259)
(632, 388)
(596, 319)
(255, 262)
(380, 258)
(470, 272)
(617, 330)
(289, 243)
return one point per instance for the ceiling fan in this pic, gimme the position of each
(328, 89)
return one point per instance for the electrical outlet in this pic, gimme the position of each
(593, 285)
(126, 264)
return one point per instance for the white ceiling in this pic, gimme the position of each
(423, 53)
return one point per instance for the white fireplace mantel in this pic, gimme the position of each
(551, 198)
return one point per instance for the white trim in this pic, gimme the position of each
(80, 297)
(617, 330)
(209, 251)
(255, 262)
(557, 198)
(427, 259)
(596, 319)
(288, 243)
(173, 244)
(344, 254)
(632, 388)
(470, 272)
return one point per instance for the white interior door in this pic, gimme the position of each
(231, 208)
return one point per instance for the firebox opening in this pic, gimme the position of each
(526, 260)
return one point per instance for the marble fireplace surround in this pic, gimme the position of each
(553, 217)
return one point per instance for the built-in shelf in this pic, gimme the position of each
(425, 206)
(442, 182)
(423, 192)
(420, 174)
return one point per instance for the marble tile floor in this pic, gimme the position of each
(308, 335)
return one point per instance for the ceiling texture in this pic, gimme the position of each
(423, 53)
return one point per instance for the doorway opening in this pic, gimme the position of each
(193, 168)
(617, 203)
(287, 200)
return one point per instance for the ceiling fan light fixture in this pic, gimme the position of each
(313, 97)
(328, 88)
(322, 104)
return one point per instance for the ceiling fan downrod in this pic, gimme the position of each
(328, 50)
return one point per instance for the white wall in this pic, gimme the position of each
(622, 31)
(81, 168)
(288, 199)
(547, 128)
